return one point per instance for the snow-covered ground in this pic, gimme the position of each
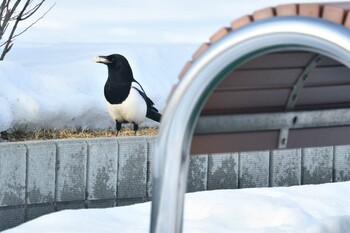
(48, 80)
(300, 209)
(58, 85)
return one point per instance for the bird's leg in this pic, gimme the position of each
(118, 126)
(136, 127)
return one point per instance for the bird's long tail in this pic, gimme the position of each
(153, 114)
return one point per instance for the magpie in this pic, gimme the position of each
(125, 102)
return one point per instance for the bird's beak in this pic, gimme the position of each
(101, 59)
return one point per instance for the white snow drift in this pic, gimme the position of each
(304, 209)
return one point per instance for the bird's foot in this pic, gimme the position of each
(118, 127)
(136, 127)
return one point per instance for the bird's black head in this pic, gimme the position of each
(118, 67)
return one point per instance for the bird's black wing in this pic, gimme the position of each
(152, 112)
(149, 102)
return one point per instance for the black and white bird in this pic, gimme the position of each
(125, 102)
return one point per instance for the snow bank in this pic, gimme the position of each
(58, 85)
(36, 100)
(52, 83)
(306, 209)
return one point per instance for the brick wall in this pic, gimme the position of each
(41, 177)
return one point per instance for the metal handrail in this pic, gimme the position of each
(180, 118)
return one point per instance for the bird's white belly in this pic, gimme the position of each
(132, 109)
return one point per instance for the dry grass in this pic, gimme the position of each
(46, 134)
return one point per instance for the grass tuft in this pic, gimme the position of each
(21, 134)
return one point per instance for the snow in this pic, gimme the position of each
(308, 209)
(59, 85)
(49, 80)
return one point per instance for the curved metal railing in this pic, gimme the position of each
(179, 120)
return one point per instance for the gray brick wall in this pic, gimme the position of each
(12, 174)
(223, 171)
(317, 165)
(254, 169)
(132, 171)
(38, 178)
(197, 173)
(342, 163)
(102, 169)
(285, 167)
(71, 170)
(41, 166)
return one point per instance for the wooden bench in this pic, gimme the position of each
(278, 78)
(265, 84)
